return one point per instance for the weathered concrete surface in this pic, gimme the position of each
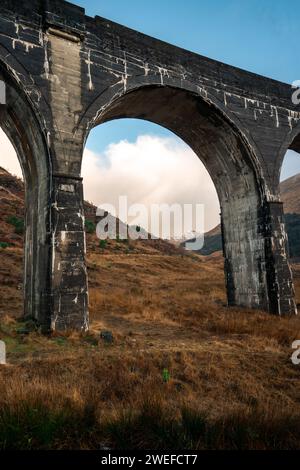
(66, 73)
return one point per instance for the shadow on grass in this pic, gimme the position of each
(36, 427)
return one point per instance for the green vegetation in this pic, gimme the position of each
(166, 375)
(102, 244)
(4, 245)
(90, 226)
(17, 223)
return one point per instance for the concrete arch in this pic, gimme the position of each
(19, 122)
(230, 161)
(96, 109)
(108, 106)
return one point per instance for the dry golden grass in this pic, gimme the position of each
(232, 383)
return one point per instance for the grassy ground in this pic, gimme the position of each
(183, 369)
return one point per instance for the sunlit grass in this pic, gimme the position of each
(231, 381)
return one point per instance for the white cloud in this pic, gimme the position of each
(8, 156)
(152, 170)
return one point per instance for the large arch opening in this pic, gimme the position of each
(148, 164)
(151, 166)
(20, 124)
(231, 166)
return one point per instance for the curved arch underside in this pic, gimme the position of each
(196, 122)
(19, 122)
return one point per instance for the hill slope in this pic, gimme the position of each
(290, 195)
(12, 224)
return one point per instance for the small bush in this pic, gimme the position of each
(102, 244)
(17, 223)
(90, 227)
(4, 245)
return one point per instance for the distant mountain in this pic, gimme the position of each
(290, 195)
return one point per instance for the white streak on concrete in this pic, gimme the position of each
(125, 76)
(226, 93)
(53, 250)
(163, 73)
(147, 69)
(28, 45)
(46, 60)
(41, 37)
(88, 62)
(274, 111)
(202, 91)
(293, 116)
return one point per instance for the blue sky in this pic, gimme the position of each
(259, 36)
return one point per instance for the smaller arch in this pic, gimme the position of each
(291, 142)
(289, 186)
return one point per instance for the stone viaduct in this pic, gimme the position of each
(66, 73)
